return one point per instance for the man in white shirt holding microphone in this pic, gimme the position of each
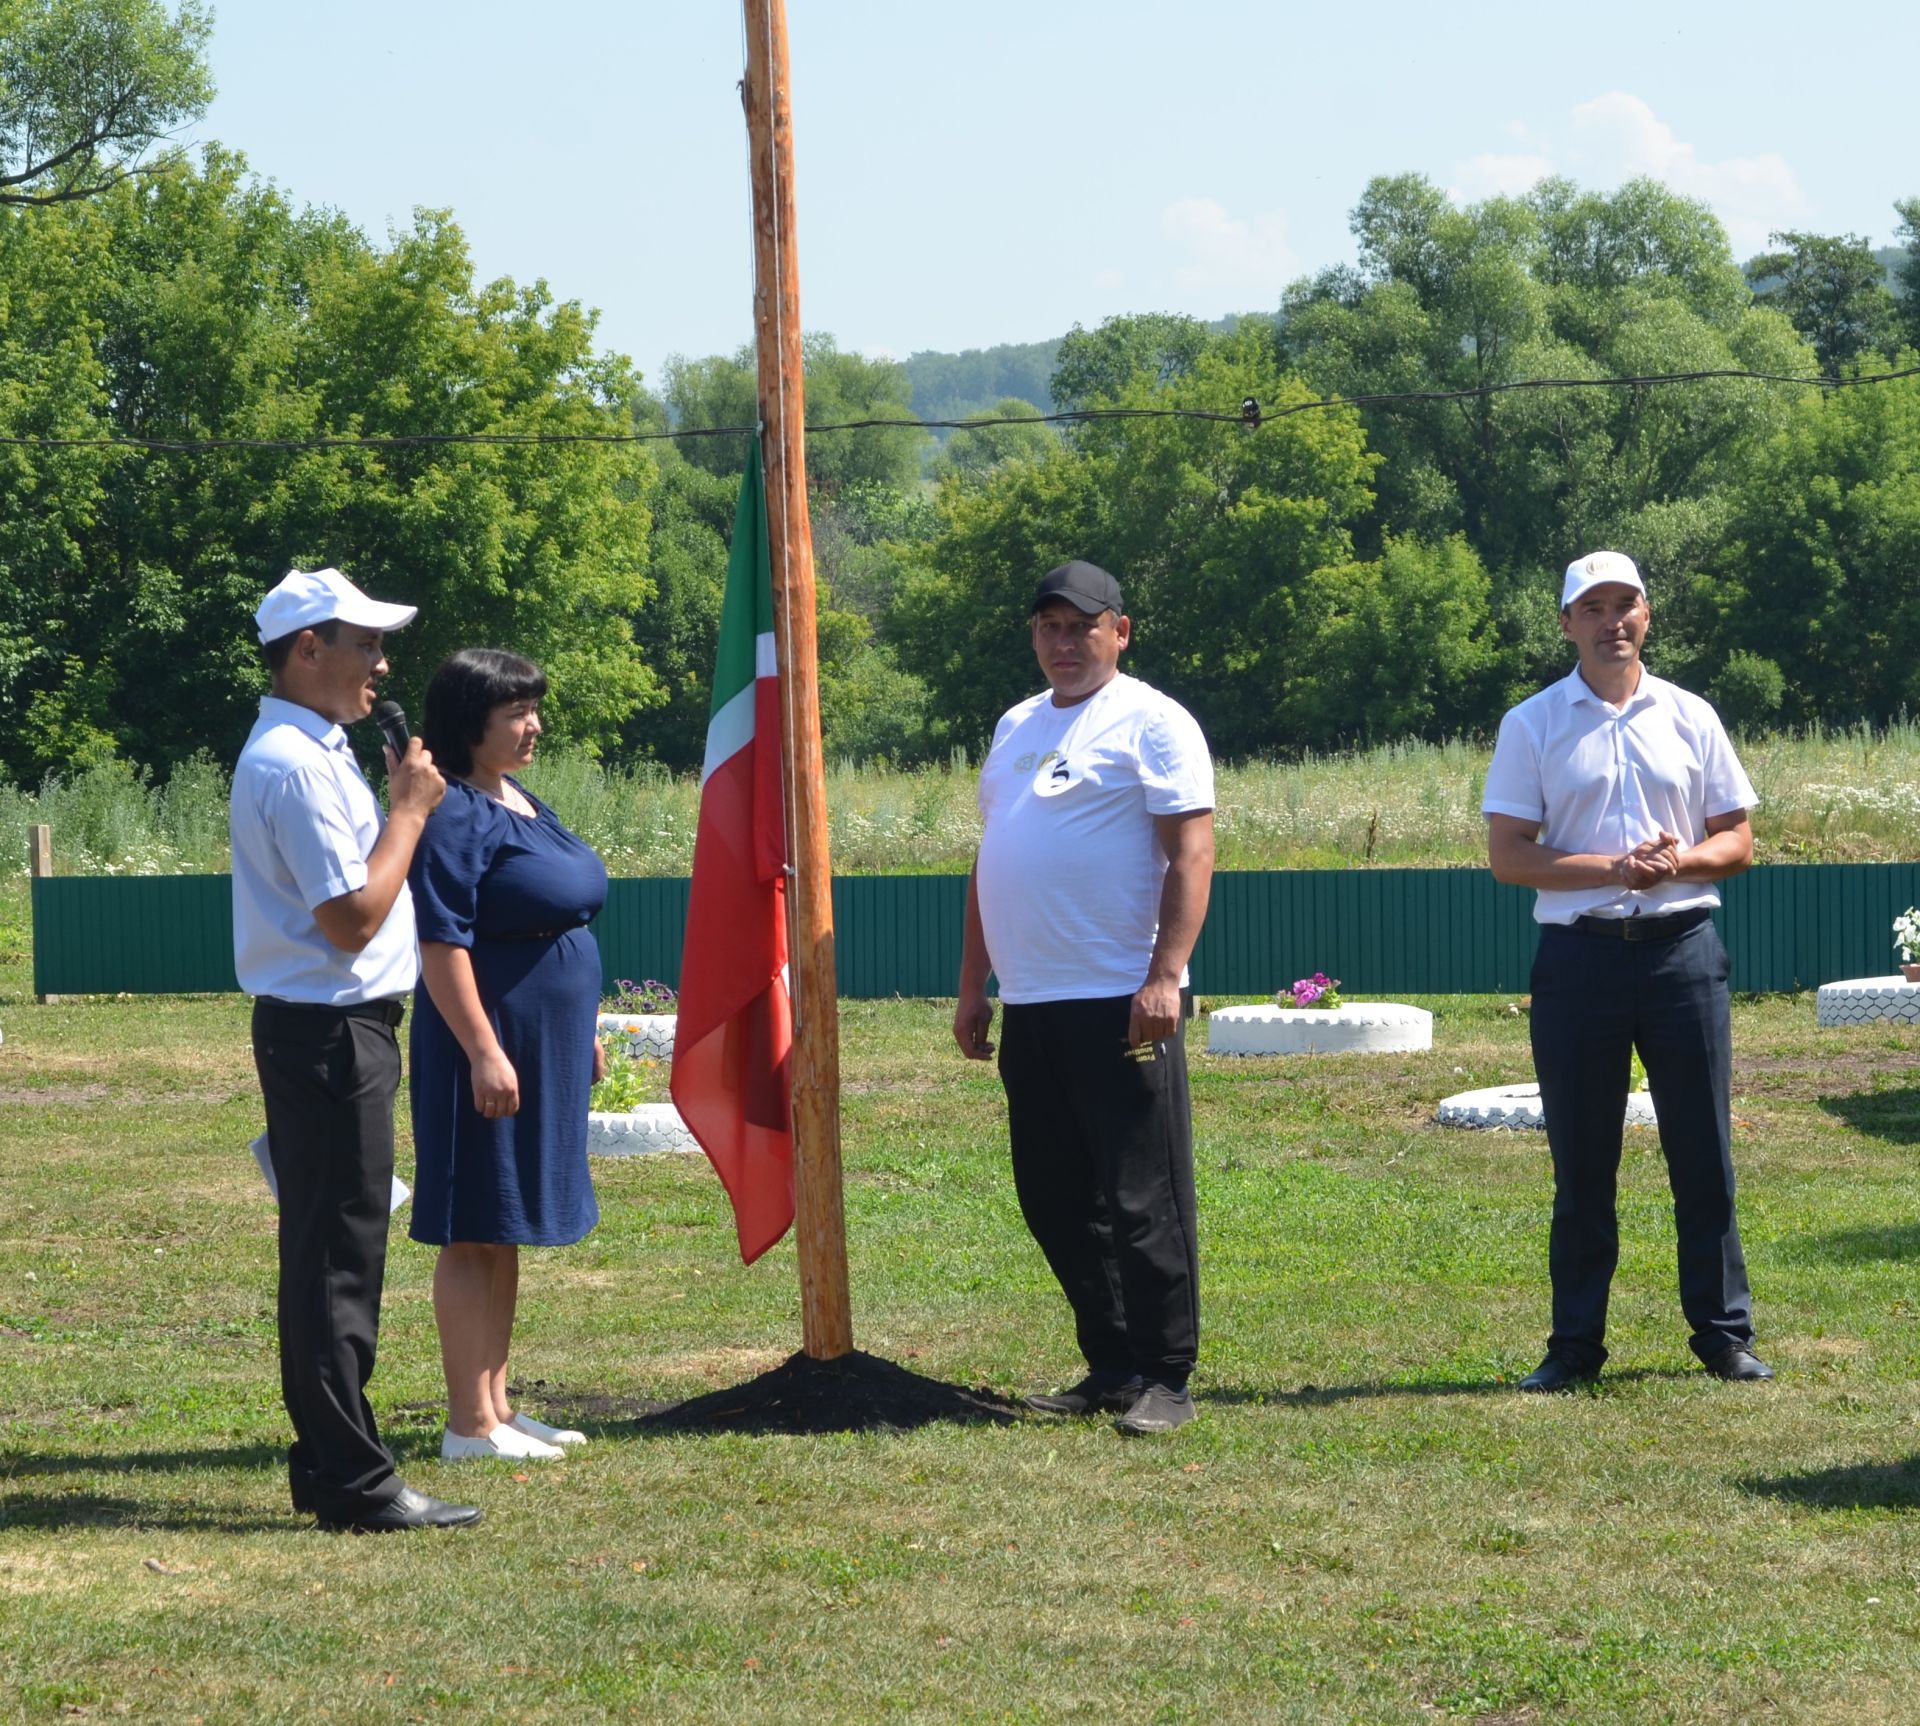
(324, 940)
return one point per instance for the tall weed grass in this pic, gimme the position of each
(1825, 796)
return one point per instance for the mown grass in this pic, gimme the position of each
(1825, 797)
(1367, 1524)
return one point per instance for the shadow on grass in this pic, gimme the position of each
(1850, 1486)
(103, 1510)
(143, 1461)
(1323, 1395)
(1856, 1246)
(856, 1393)
(1890, 1116)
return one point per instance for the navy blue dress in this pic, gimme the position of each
(518, 893)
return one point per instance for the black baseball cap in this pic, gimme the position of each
(1086, 585)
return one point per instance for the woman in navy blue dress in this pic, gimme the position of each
(504, 1050)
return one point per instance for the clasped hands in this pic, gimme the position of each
(1648, 863)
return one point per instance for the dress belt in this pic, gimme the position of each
(530, 934)
(1644, 928)
(386, 1012)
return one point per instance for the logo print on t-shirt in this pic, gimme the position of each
(1056, 775)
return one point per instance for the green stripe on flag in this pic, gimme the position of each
(746, 612)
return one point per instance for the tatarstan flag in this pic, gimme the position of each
(731, 1046)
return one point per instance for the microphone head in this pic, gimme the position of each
(391, 717)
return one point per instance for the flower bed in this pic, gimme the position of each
(1359, 1027)
(650, 1126)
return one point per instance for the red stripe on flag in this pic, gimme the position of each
(735, 1035)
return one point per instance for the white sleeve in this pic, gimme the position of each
(312, 829)
(1513, 776)
(1175, 767)
(1726, 784)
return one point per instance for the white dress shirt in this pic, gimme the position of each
(1600, 778)
(304, 822)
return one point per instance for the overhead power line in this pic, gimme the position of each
(1250, 414)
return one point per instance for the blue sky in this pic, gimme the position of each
(998, 171)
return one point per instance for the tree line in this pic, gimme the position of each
(1337, 576)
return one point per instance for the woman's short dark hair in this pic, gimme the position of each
(463, 692)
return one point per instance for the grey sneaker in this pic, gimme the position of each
(1094, 1394)
(1159, 1408)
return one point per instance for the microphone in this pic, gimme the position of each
(392, 720)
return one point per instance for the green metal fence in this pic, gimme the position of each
(1401, 931)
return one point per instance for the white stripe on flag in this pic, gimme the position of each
(728, 732)
(764, 663)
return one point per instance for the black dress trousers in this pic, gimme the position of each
(1103, 1166)
(1597, 997)
(329, 1076)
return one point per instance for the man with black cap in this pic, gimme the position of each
(1087, 896)
(1619, 798)
(323, 937)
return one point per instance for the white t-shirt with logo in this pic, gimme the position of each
(1070, 869)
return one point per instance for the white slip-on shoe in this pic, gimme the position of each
(528, 1427)
(502, 1442)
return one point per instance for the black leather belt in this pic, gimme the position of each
(386, 1012)
(1644, 928)
(528, 934)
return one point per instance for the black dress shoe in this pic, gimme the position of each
(406, 1509)
(1739, 1363)
(1095, 1394)
(300, 1486)
(1556, 1372)
(1159, 1408)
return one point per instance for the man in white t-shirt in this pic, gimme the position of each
(323, 938)
(1619, 798)
(1087, 896)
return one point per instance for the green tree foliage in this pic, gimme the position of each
(841, 388)
(1907, 272)
(971, 455)
(1559, 284)
(205, 308)
(955, 386)
(1834, 291)
(88, 87)
(1402, 646)
(1820, 575)
(1216, 532)
(677, 631)
(1096, 365)
(1748, 690)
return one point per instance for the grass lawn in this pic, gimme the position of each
(1366, 1524)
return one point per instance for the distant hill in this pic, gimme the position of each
(952, 386)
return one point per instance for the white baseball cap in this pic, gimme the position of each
(304, 598)
(1595, 571)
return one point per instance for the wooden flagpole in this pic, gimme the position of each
(819, 1221)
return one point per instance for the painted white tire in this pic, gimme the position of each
(651, 1127)
(1519, 1106)
(649, 1035)
(1868, 999)
(1360, 1027)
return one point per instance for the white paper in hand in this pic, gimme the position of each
(401, 1191)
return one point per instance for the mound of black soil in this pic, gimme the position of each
(856, 1393)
